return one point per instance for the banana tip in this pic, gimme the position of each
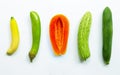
(12, 17)
(9, 53)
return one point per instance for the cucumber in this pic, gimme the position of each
(107, 31)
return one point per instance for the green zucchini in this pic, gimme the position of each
(107, 31)
(83, 36)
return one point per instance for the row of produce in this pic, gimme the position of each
(59, 32)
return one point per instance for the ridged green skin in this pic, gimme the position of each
(36, 33)
(107, 34)
(83, 36)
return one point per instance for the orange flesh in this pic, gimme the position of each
(59, 34)
(59, 29)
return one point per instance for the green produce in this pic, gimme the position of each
(36, 33)
(83, 36)
(107, 34)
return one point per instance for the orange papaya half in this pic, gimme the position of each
(59, 31)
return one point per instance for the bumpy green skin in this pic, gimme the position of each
(107, 34)
(36, 33)
(83, 36)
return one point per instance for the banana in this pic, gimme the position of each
(15, 36)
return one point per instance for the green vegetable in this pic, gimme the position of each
(83, 36)
(107, 34)
(36, 33)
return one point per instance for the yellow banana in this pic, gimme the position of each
(15, 36)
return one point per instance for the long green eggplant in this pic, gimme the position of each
(36, 33)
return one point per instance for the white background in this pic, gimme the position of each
(45, 62)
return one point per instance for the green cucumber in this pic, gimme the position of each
(83, 36)
(107, 31)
